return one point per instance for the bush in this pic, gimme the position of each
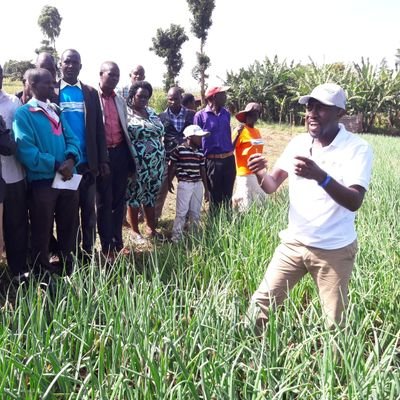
(277, 86)
(159, 100)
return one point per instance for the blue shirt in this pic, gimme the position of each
(73, 105)
(219, 125)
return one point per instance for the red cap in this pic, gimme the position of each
(216, 89)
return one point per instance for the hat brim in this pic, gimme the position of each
(222, 89)
(199, 134)
(306, 99)
(241, 116)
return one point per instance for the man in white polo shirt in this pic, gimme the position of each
(329, 170)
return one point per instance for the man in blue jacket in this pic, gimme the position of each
(46, 146)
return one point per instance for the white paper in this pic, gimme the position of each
(71, 184)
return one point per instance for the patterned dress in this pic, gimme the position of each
(149, 153)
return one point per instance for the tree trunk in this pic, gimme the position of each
(202, 77)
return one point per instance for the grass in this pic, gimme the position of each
(167, 323)
(12, 87)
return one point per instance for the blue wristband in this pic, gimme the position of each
(325, 182)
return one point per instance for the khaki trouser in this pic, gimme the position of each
(330, 269)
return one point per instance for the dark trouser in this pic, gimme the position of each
(45, 205)
(87, 198)
(221, 174)
(15, 224)
(111, 192)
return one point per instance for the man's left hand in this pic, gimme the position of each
(104, 169)
(307, 168)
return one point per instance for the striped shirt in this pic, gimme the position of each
(188, 162)
(72, 103)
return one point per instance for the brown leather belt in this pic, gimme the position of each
(222, 155)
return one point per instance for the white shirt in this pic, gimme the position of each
(63, 84)
(48, 109)
(315, 219)
(11, 169)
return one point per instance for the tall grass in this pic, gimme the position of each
(167, 324)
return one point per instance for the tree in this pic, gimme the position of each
(397, 60)
(15, 70)
(200, 24)
(167, 44)
(45, 47)
(49, 22)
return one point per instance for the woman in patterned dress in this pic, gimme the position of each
(146, 132)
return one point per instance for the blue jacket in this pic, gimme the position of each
(42, 143)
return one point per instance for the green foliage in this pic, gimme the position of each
(199, 70)
(11, 86)
(167, 44)
(270, 83)
(200, 24)
(46, 47)
(373, 90)
(397, 59)
(168, 323)
(15, 70)
(49, 22)
(158, 100)
(277, 86)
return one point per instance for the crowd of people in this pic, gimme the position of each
(124, 154)
(81, 157)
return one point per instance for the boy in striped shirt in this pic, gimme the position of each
(188, 163)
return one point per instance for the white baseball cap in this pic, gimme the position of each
(327, 93)
(194, 130)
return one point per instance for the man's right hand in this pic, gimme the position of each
(257, 163)
(66, 169)
(171, 187)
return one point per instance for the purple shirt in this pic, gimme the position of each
(219, 125)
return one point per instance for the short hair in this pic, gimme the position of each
(70, 51)
(135, 87)
(33, 75)
(187, 98)
(45, 56)
(107, 64)
(137, 68)
(176, 88)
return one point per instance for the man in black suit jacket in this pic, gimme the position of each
(82, 105)
(175, 119)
